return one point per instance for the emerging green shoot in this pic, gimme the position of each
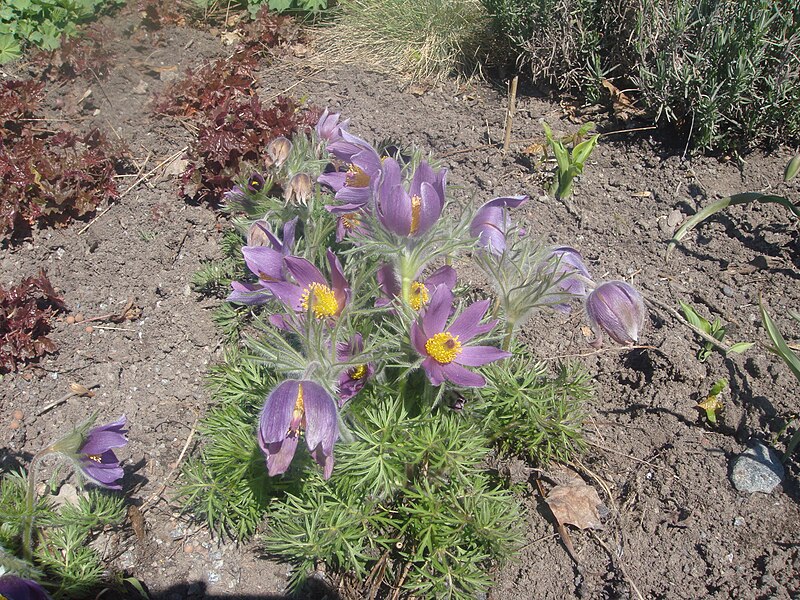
(715, 330)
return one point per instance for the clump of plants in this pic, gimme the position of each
(49, 178)
(26, 312)
(724, 74)
(372, 386)
(87, 55)
(44, 23)
(46, 538)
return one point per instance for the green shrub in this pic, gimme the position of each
(726, 74)
(42, 23)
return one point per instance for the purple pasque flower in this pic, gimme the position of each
(444, 348)
(292, 408)
(264, 256)
(569, 264)
(353, 379)
(328, 127)
(349, 222)
(311, 292)
(255, 183)
(17, 588)
(96, 458)
(354, 187)
(491, 223)
(410, 213)
(278, 150)
(618, 309)
(421, 289)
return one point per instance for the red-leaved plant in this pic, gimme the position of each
(47, 177)
(25, 314)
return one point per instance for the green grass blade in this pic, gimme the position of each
(724, 203)
(781, 347)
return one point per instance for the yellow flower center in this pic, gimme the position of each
(321, 299)
(95, 457)
(298, 413)
(358, 372)
(443, 347)
(255, 184)
(416, 206)
(350, 220)
(356, 178)
(419, 295)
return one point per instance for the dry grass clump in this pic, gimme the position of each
(430, 39)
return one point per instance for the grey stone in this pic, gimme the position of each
(758, 469)
(727, 290)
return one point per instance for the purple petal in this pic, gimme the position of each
(276, 416)
(388, 281)
(434, 370)
(341, 289)
(467, 325)
(460, 376)
(280, 454)
(445, 275)
(100, 439)
(437, 312)
(321, 425)
(324, 460)
(16, 588)
(335, 180)
(288, 293)
(249, 293)
(475, 356)
(618, 309)
(430, 209)
(102, 468)
(264, 262)
(304, 272)
(418, 338)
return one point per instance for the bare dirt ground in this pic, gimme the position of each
(677, 528)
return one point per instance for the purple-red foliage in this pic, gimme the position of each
(86, 56)
(201, 91)
(235, 138)
(47, 177)
(157, 14)
(25, 314)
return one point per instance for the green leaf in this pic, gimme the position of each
(582, 151)
(9, 49)
(280, 5)
(740, 347)
(781, 347)
(724, 203)
(695, 319)
(792, 168)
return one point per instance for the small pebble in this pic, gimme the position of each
(70, 319)
(14, 425)
(89, 329)
(758, 469)
(18, 415)
(79, 317)
(727, 290)
(188, 548)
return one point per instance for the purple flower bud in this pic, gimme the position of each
(255, 183)
(618, 309)
(16, 588)
(279, 150)
(328, 127)
(299, 189)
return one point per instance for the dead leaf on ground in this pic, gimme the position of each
(573, 502)
(623, 107)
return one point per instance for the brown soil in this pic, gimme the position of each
(676, 527)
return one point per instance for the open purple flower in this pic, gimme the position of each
(353, 379)
(421, 289)
(618, 309)
(96, 458)
(354, 187)
(255, 182)
(492, 222)
(264, 258)
(292, 408)
(311, 292)
(444, 348)
(328, 127)
(16, 588)
(410, 213)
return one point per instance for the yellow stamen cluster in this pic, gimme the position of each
(95, 457)
(350, 220)
(419, 295)
(298, 413)
(358, 372)
(443, 347)
(321, 299)
(356, 178)
(416, 207)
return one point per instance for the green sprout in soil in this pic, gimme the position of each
(712, 403)
(715, 329)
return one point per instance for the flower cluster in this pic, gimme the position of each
(385, 303)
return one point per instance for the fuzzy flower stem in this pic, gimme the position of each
(30, 500)
(407, 272)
